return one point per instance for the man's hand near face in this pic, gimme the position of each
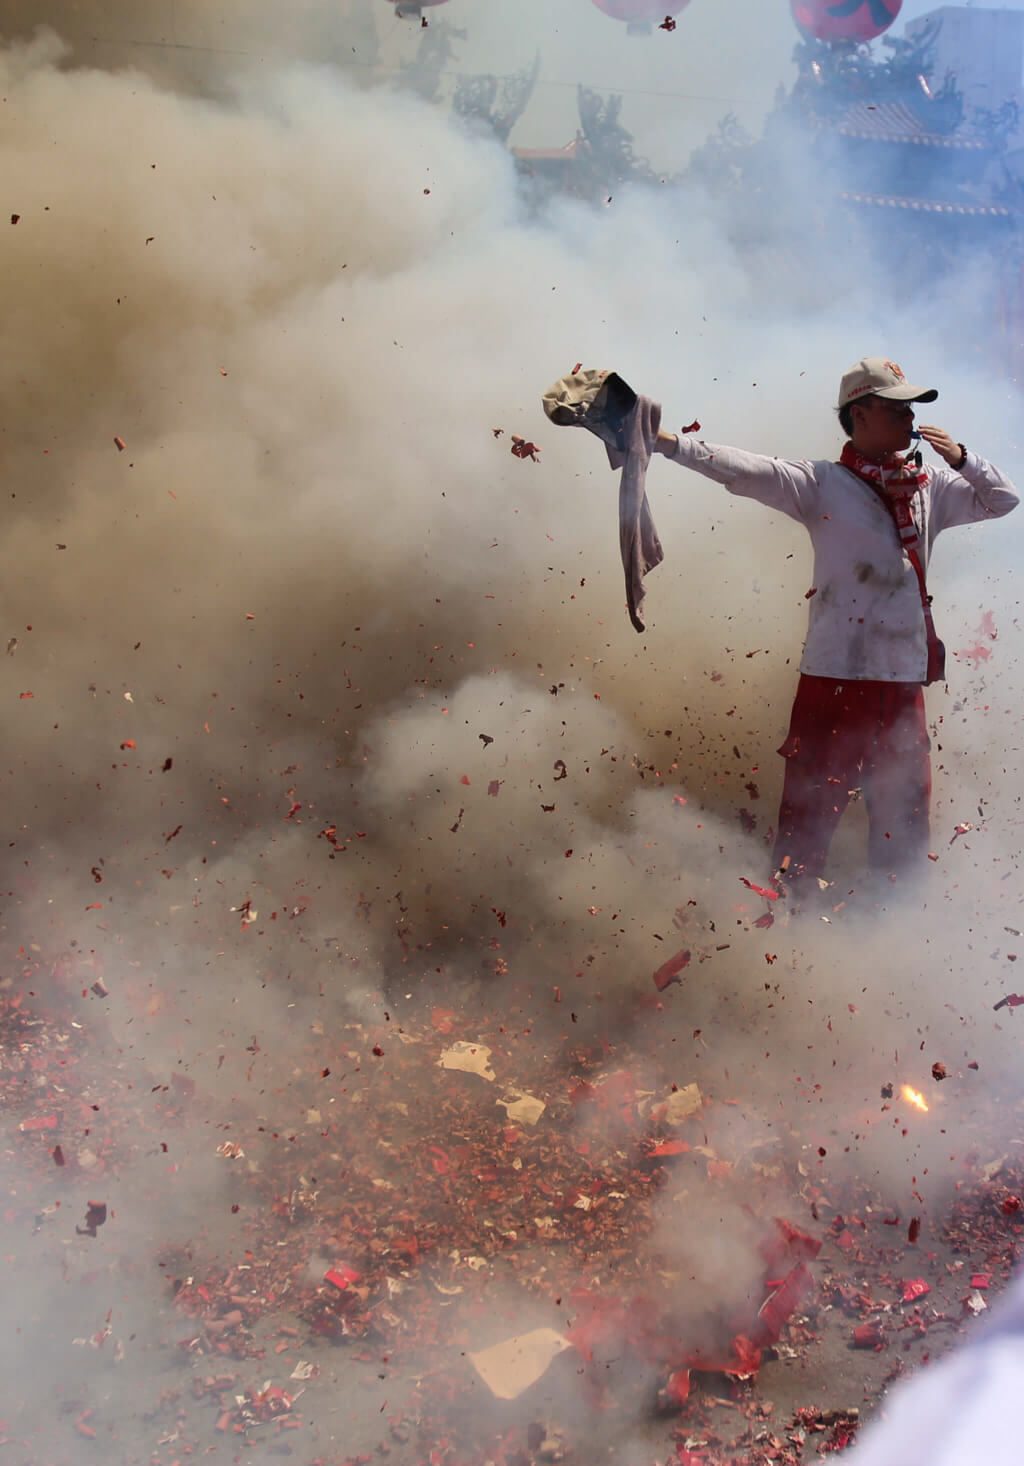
(943, 444)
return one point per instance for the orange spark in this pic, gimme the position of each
(915, 1097)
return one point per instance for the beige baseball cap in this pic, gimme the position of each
(876, 376)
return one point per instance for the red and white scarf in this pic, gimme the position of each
(896, 481)
(893, 475)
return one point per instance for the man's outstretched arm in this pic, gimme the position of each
(791, 487)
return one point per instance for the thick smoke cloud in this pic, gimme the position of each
(318, 697)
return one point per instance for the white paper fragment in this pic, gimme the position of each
(682, 1103)
(992, 1168)
(305, 1370)
(524, 1108)
(468, 1058)
(509, 1368)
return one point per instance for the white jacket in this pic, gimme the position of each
(866, 620)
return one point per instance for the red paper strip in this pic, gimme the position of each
(341, 1276)
(669, 971)
(764, 891)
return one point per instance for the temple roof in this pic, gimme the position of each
(925, 206)
(541, 155)
(895, 122)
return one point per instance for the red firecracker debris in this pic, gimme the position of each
(1012, 1000)
(938, 1070)
(914, 1288)
(669, 971)
(342, 1276)
(668, 24)
(764, 891)
(693, 427)
(39, 1122)
(588, 1192)
(669, 1147)
(777, 1309)
(522, 449)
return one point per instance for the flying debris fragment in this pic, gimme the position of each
(669, 971)
(95, 1216)
(642, 15)
(522, 449)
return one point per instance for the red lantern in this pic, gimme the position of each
(642, 15)
(844, 20)
(412, 9)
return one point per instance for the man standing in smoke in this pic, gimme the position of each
(858, 719)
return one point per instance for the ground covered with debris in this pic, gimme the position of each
(441, 1237)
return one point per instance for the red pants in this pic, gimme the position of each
(847, 736)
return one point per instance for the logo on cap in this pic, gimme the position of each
(891, 366)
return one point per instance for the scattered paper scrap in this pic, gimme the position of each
(468, 1058)
(510, 1368)
(526, 1109)
(682, 1103)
